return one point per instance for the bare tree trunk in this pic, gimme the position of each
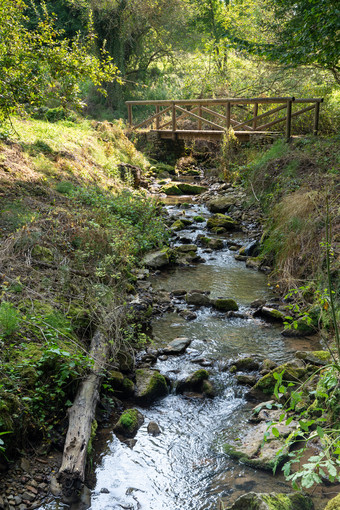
(71, 474)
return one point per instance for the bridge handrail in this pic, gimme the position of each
(200, 107)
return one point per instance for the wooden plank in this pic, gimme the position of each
(206, 121)
(282, 119)
(239, 100)
(240, 124)
(200, 115)
(150, 119)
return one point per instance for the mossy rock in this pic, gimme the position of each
(273, 501)
(178, 225)
(187, 248)
(333, 504)
(121, 385)
(300, 329)
(42, 253)
(208, 389)
(221, 221)
(221, 204)
(150, 385)
(80, 318)
(129, 423)
(171, 189)
(190, 189)
(246, 364)
(164, 167)
(199, 219)
(225, 304)
(314, 357)
(195, 382)
(293, 372)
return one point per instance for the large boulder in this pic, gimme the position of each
(129, 423)
(253, 451)
(171, 189)
(273, 501)
(187, 248)
(150, 385)
(221, 204)
(219, 221)
(208, 242)
(122, 386)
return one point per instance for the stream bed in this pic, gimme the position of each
(185, 467)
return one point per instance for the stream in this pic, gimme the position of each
(185, 467)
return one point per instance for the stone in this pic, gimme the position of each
(270, 313)
(246, 364)
(177, 346)
(249, 380)
(221, 221)
(129, 423)
(188, 315)
(178, 225)
(28, 496)
(121, 385)
(294, 371)
(156, 259)
(185, 248)
(319, 358)
(150, 385)
(208, 389)
(104, 490)
(253, 262)
(273, 501)
(333, 504)
(190, 189)
(25, 465)
(257, 303)
(197, 299)
(171, 189)
(225, 304)
(179, 292)
(153, 428)
(193, 382)
(221, 204)
(302, 329)
(241, 258)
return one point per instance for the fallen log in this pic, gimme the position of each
(71, 476)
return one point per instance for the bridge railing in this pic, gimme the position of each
(217, 114)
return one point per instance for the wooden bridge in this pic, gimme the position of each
(212, 118)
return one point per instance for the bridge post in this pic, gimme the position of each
(200, 114)
(173, 111)
(228, 113)
(130, 114)
(255, 112)
(289, 120)
(157, 118)
(316, 118)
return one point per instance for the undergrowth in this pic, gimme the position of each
(71, 233)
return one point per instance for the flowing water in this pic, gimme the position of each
(185, 467)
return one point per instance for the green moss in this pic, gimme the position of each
(128, 419)
(333, 504)
(157, 384)
(190, 189)
(199, 376)
(171, 189)
(291, 373)
(225, 304)
(221, 221)
(177, 225)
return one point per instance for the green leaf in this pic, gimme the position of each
(275, 432)
(320, 431)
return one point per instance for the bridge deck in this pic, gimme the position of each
(197, 134)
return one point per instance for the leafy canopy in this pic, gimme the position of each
(40, 66)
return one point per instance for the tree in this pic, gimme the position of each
(40, 66)
(290, 32)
